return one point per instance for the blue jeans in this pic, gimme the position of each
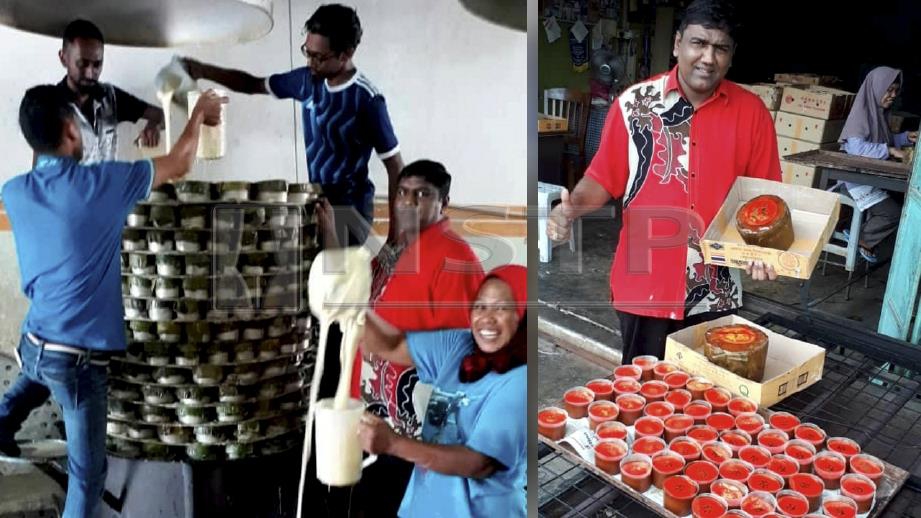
(80, 387)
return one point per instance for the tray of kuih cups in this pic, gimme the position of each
(221, 345)
(682, 446)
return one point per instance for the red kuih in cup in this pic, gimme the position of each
(631, 408)
(868, 466)
(765, 480)
(839, 506)
(741, 405)
(659, 409)
(646, 364)
(600, 412)
(702, 472)
(736, 440)
(757, 456)
(677, 425)
(716, 452)
(792, 503)
(811, 433)
(718, 398)
(732, 491)
(665, 464)
(551, 423)
(662, 369)
(677, 379)
(774, 440)
(758, 504)
(649, 426)
(602, 388)
(752, 423)
(698, 385)
(843, 445)
(803, 452)
(784, 465)
(679, 491)
(784, 421)
(686, 447)
(735, 469)
(809, 486)
(703, 434)
(679, 398)
(628, 371)
(860, 489)
(721, 421)
(649, 446)
(830, 467)
(654, 391)
(626, 386)
(609, 453)
(636, 472)
(576, 401)
(612, 430)
(738, 513)
(708, 505)
(699, 410)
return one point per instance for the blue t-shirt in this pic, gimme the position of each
(342, 124)
(67, 221)
(488, 416)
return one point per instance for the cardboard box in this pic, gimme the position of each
(798, 174)
(792, 365)
(800, 127)
(791, 146)
(548, 123)
(814, 213)
(769, 94)
(797, 79)
(806, 79)
(817, 101)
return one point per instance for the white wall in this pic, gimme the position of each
(455, 88)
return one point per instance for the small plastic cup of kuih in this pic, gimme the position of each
(551, 423)
(609, 453)
(708, 505)
(860, 489)
(636, 472)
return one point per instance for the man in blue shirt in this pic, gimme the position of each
(67, 221)
(344, 116)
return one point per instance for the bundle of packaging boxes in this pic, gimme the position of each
(808, 115)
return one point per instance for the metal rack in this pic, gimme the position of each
(870, 391)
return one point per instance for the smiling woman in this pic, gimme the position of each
(472, 456)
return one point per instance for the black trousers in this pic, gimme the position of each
(646, 335)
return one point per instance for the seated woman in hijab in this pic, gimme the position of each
(472, 458)
(866, 133)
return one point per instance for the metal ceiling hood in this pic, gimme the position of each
(146, 23)
(507, 13)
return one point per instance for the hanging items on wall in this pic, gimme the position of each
(578, 46)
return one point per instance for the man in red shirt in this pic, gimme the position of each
(671, 148)
(424, 281)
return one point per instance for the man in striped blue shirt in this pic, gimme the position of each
(344, 115)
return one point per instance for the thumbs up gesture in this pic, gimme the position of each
(559, 221)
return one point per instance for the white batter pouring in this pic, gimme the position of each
(338, 289)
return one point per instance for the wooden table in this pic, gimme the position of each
(835, 165)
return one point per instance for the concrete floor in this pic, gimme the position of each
(575, 286)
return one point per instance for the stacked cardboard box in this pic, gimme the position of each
(809, 117)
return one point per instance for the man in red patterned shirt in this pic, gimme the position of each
(424, 281)
(671, 148)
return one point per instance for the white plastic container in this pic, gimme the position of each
(212, 141)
